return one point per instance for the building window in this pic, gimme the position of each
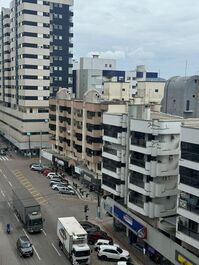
(187, 104)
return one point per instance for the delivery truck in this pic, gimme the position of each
(27, 209)
(73, 240)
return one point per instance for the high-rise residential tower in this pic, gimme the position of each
(35, 62)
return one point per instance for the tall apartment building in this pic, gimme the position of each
(76, 133)
(140, 176)
(90, 74)
(181, 96)
(36, 61)
(188, 199)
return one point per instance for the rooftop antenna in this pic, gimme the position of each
(185, 73)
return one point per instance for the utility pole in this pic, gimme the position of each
(40, 147)
(98, 200)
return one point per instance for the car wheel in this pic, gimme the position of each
(104, 257)
(56, 189)
(123, 259)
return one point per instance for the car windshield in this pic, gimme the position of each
(25, 244)
(119, 250)
(36, 221)
(82, 253)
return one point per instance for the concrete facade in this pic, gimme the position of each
(188, 198)
(181, 96)
(140, 175)
(36, 60)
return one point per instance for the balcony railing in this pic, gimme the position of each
(110, 151)
(138, 162)
(137, 201)
(190, 156)
(138, 142)
(188, 206)
(137, 181)
(187, 231)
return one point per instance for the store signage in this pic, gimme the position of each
(183, 260)
(135, 226)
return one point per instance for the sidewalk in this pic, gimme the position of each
(137, 256)
(106, 224)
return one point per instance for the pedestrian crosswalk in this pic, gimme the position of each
(28, 185)
(5, 158)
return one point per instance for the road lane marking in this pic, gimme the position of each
(2, 193)
(16, 217)
(55, 249)
(9, 205)
(5, 177)
(43, 232)
(28, 185)
(32, 246)
(36, 253)
(10, 184)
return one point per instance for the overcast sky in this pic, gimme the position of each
(163, 35)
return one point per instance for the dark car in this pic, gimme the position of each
(94, 236)
(24, 246)
(89, 227)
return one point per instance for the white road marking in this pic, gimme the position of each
(9, 205)
(32, 246)
(10, 183)
(55, 249)
(6, 158)
(0, 158)
(16, 218)
(43, 232)
(36, 253)
(2, 193)
(5, 177)
(3, 158)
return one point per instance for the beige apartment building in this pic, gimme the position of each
(76, 133)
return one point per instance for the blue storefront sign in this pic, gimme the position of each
(137, 228)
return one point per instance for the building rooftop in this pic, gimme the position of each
(165, 116)
(191, 123)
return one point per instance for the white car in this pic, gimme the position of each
(52, 174)
(113, 252)
(125, 263)
(62, 188)
(103, 242)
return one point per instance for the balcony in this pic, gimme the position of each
(187, 231)
(194, 208)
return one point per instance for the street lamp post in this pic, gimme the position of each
(98, 200)
(29, 134)
(45, 121)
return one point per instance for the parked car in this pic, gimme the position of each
(65, 190)
(51, 174)
(103, 242)
(24, 246)
(45, 171)
(37, 167)
(89, 227)
(94, 236)
(55, 178)
(56, 181)
(113, 252)
(125, 263)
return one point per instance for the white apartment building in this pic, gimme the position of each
(140, 175)
(188, 198)
(89, 74)
(36, 61)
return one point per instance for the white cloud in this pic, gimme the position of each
(109, 54)
(162, 34)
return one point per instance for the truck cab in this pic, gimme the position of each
(34, 222)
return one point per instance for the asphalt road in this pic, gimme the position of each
(15, 172)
